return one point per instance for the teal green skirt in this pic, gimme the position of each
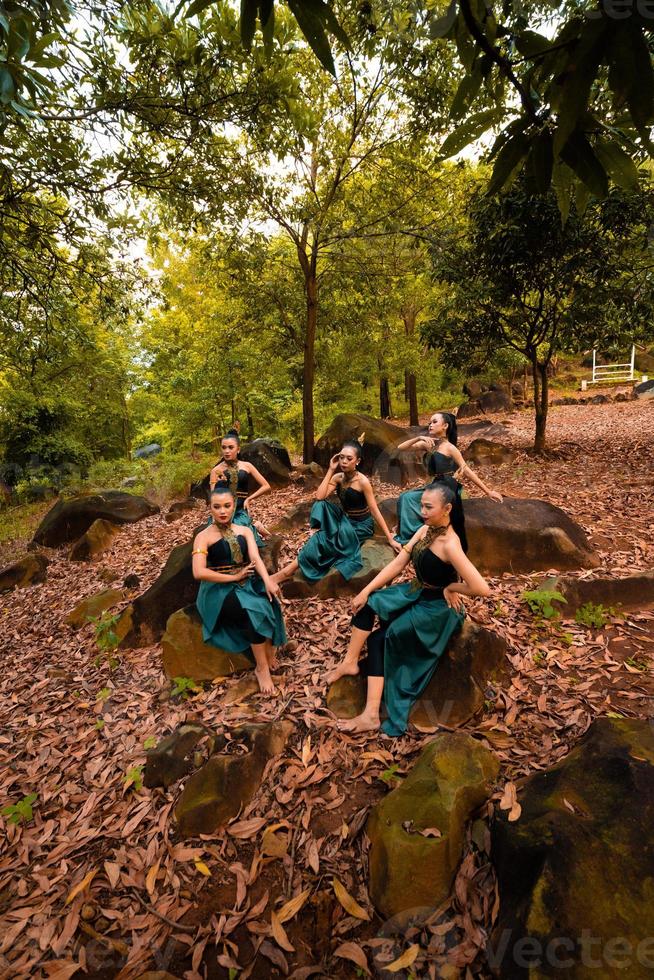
(418, 634)
(336, 543)
(409, 518)
(265, 616)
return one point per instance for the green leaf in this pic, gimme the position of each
(530, 44)
(631, 77)
(579, 156)
(466, 92)
(572, 100)
(197, 6)
(540, 161)
(562, 182)
(617, 163)
(507, 162)
(443, 26)
(248, 22)
(267, 18)
(7, 88)
(474, 127)
(311, 26)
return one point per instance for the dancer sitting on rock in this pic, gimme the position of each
(235, 473)
(237, 600)
(417, 618)
(342, 527)
(444, 463)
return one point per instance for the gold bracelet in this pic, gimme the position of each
(407, 549)
(199, 552)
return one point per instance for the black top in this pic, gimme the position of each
(219, 555)
(353, 502)
(242, 485)
(432, 570)
(438, 464)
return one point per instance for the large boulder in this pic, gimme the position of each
(226, 783)
(473, 389)
(482, 427)
(518, 535)
(629, 592)
(417, 830)
(378, 451)
(644, 390)
(270, 458)
(179, 508)
(185, 654)
(29, 570)
(498, 399)
(485, 452)
(475, 658)
(375, 554)
(94, 541)
(524, 535)
(69, 519)
(94, 606)
(575, 871)
(172, 590)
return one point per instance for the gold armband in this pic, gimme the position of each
(407, 549)
(199, 551)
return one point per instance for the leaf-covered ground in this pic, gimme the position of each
(98, 882)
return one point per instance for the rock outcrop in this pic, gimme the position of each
(575, 871)
(417, 830)
(485, 452)
(629, 592)
(185, 654)
(29, 570)
(378, 451)
(94, 541)
(94, 606)
(69, 519)
(375, 554)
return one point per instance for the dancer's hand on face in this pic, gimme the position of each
(335, 462)
(453, 599)
(246, 572)
(359, 602)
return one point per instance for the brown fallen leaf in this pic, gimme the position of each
(352, 951)
(349, 904)
(279, 933)
(293, 906)
(80, 886)
(406, 959)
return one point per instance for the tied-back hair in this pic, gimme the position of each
(232, 434)
(447, 493)
(355, 445)
(450, 420)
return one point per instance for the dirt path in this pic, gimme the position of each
(73, 726)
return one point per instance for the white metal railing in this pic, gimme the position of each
(603, 373)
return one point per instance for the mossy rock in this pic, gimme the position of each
(185, 654)
(409, 872)
(629, 592)
(69, 519)
(93, 606)
(226, 783)
(579, 862)
(93, 542)
(375, 555)
(475, 658)
(30, 570)
(485, 452)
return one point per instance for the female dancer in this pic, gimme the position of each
(444, 463)
(416, 618)
(237, 601)
(234, 473)
(341, 529)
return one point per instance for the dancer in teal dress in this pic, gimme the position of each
(235, 473)
(444, 464)
(417, 619)
(341, 527)
(237, 601)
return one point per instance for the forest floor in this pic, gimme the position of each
(98, 880)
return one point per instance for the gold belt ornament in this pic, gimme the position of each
(358, 513)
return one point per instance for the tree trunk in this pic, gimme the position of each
(309, 367)
(541, 401)
(248, 415)
(384, 398)
(410, 388)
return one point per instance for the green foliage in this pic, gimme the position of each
(388, 775)
(20, 812)
(150, 742)
(134, 778)
(104, 694)
(182, 686)
(105, 633)
(540, 602)
(638, 664)
(99, 724)
(593, 615)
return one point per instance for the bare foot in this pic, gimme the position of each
(346, 668)
(362, 723)
(264, 680)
